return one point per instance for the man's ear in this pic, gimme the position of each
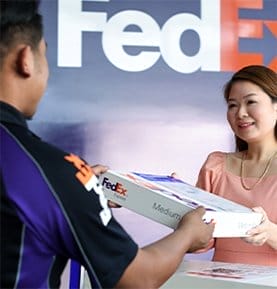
(25, 61)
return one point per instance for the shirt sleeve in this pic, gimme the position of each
(106, 249)
(210, 171)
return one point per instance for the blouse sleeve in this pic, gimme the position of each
(210, 171)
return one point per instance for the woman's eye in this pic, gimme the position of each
(251, 101)
(231, 105)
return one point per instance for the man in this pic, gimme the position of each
(52, 208)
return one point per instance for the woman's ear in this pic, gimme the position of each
(25, 61)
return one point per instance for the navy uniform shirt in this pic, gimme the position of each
(52, 209)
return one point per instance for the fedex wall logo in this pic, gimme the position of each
(117, 187)
(219, 29)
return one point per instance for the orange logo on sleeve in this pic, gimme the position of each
(86, 176)
(85, 171)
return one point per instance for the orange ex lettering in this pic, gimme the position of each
(118, 188)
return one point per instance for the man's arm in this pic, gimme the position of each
(155, 263)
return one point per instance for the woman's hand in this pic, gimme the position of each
(264, 233)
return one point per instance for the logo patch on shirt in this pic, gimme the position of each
(85, 171)
(87, 178)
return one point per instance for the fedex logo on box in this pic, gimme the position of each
(117, 187)
(219, 28)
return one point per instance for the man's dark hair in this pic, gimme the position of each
(20, 22)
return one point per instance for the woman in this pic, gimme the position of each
(249, 175)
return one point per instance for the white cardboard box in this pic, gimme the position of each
(165, 199)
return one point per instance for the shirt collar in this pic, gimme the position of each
(10, 114)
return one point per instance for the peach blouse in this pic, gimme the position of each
(214, 177)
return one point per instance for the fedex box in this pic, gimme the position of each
(165, 199)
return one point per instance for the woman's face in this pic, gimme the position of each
(251, 113)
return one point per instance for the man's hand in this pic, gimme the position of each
(99, 169)
(200, 232)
